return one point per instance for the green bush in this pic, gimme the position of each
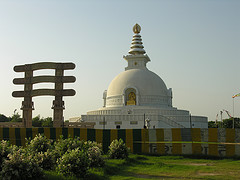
(69, 156)
(95, 154)
(61, 146)
(4, 151)
(118, 150)
(73, 163)
(40, 149)
(39, 143)
(93, 149)
(44, 160)
(20, 166)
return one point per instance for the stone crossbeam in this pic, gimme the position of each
(45, 79)
(44, 65)
(44, 92)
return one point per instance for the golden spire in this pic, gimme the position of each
(136, 47)
(136, 28)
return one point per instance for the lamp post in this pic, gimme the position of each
(221, 119)
(144, 127)
(233, 113)
(190, 120)
(103, 122)
(236, 95)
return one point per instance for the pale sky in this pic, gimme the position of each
(194, 46)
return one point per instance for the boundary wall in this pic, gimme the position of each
(176, 141)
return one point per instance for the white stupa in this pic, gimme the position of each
(138, 98)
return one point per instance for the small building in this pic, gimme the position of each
(138, 98)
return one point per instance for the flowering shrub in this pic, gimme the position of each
(70, 157)
(73, 163)
(20, 166)
(61, 146)
(40, 149)
(39, 144)
(118, 150)
(94, 151)
(44, 160)
(4, 151)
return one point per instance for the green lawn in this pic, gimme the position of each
(163, 167)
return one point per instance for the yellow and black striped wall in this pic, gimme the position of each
(196, 141)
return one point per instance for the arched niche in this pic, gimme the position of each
(131, 96)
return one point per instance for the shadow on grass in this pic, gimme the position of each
(51, 175)
(121, 168)
(92, 176)
(191, 156)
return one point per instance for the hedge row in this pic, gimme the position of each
(70, 157)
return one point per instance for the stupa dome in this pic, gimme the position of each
(146, 82)
(148, 88)
(138, 87)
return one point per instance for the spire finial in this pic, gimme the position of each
(136, 28)
(136, 47)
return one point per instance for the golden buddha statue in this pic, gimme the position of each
(131, 99)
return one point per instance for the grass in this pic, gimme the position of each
(162, 167)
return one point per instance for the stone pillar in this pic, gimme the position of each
(58, 103)
(27, 107)
(58, 107)
(27, 104)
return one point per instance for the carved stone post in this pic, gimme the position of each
(27, 104)
(58, 103)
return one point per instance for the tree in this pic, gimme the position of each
(47, 122)
(16, 117)
(228, 123)
(4, 118)
(36, 121)
(42, 122)
(212, 124)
